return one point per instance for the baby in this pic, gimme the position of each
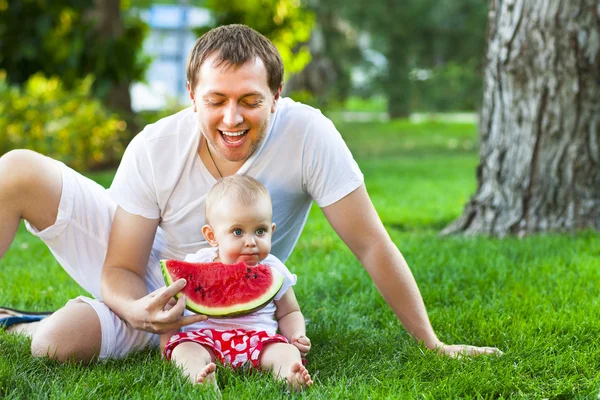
(238, 228)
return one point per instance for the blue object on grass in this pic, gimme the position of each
(20, 317)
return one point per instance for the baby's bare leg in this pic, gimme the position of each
(285, 362)
(197, 362)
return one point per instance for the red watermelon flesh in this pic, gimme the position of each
(224, 290)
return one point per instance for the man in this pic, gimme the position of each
(238, 123)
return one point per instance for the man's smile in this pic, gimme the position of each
(233, 137)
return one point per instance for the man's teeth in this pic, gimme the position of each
(233, 133)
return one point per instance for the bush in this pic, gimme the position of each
(449, 87)
(69, 126)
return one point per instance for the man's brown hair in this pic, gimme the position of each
(234, 45)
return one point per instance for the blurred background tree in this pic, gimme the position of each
(77, 51)
(285, 22)
(72, 39)
(432, 50)
(419, 55)
(326, 81)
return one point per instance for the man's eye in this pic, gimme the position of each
(213, 103)
(260, 232)
(254, 104)
(237, 232)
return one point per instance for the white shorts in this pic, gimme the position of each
(78, 240)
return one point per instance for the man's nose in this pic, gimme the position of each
(232, 116)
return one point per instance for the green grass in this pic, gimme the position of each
(372, 104)
(536, 298)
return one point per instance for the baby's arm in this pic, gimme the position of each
(291, 321)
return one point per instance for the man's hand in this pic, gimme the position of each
(302, 343)
(159, 313)
(460, 350)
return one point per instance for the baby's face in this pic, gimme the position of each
(243, 231)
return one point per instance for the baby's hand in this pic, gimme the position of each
(302, 343)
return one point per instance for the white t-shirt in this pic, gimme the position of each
(302, 158)
(261, 320)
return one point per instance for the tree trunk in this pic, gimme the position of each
(318, 75)
(110, 25)
(540, 122)
(398, 85)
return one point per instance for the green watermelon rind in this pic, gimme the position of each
(231, 311)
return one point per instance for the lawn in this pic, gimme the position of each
(535, 298)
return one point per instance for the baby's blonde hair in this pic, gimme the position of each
(241, 187)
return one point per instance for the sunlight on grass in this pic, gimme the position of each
(536, 298)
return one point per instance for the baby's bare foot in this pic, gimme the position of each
(207, 375)
(298, 377)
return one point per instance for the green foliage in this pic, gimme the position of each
(305, 97)
(536, 298)
(337, 42)
(68, 125)
(284, 22)
(117, 60)
(422, 34)
(451, 87)
(372, 104)
(39, 35)
(60, 38)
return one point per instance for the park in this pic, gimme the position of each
(493, 198)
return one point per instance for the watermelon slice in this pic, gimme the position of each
(224, 290)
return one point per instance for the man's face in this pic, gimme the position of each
(234, 105)
(241, 231)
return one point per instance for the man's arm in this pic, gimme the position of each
(356, 222)
(123, 286)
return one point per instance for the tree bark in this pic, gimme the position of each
(398, 85)
(318, 75)
(540, 122)
(109, 24)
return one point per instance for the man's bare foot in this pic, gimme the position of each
(298, 377)
(26, 329)
(207, 376)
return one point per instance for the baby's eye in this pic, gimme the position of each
(237, 232)
(260, 232)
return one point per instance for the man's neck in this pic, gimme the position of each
(216, 165)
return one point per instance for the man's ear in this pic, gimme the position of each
(276, 98)
(209, 235)
(191, 93)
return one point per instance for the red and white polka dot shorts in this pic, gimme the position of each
(233, 347)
